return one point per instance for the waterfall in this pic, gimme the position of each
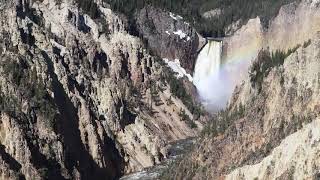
(208, 62)
(215, 81)
(208, 77)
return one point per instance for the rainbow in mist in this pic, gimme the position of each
(216, 74)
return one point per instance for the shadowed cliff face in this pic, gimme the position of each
(169, 36)
(80, 97)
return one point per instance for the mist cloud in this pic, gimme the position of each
(215, 81)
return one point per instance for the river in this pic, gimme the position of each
(176, 150)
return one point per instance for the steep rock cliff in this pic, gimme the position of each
(80, 97)
(169, 36)
(295, 24)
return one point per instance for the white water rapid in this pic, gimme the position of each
(209, 77)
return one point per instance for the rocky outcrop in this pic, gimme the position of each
(296, 157)
(243, 46)
(169, 36)
(295, 24)
(287, 31)
(80, 97)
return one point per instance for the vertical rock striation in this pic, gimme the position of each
(80, 97)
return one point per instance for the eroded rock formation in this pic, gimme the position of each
(80, 97)
(270, 128)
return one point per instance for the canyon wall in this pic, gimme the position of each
(81, 98)
(269, 128)
(170, 36)
(295, 24)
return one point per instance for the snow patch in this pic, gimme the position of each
(168, 32)
(182, 35)
(176, 67)
(175, 17)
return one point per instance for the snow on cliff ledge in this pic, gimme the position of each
(176, 67)
(175, 17)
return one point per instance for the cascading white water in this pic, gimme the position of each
(208, 63)
(208, 77)
(216, 76)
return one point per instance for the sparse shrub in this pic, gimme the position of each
(169, 101)
(307, 43)
(185, 117)
(265, 63)
(44, 173)
(222, 121)
(31, 88)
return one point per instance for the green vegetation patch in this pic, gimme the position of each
(185, 117)
(193, 10)
(30, 88)
(265, 62)
(222, 121)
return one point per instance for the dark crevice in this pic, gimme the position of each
(89, 7)
(23, 10)
(13, 164)
(125, 115)
(49, 168)
(124, 66)
(75, 152)
(100, 62)
(27, 37)
(82, 25)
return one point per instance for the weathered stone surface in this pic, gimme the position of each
(169, 36)
(77, 95)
